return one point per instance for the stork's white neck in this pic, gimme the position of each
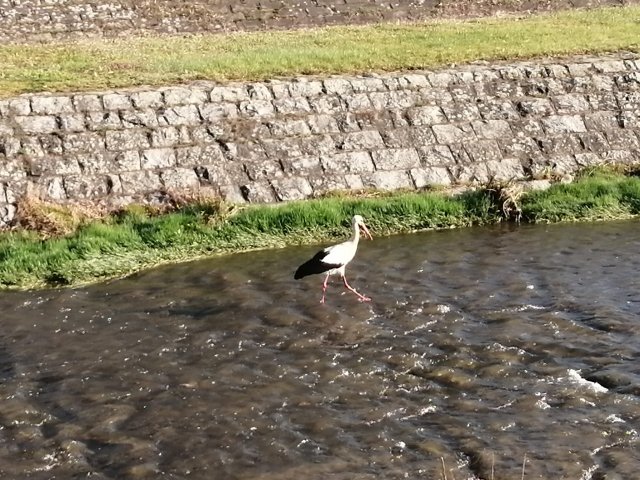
(356, 233)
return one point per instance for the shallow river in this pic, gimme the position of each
(483, 349)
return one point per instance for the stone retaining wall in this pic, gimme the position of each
(45, 20)
(287, 140)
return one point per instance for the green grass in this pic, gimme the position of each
(134, 240)
(600, 195)
(98, 64)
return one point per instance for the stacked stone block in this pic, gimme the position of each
(290, 140)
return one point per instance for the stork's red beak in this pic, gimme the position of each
(366, 231)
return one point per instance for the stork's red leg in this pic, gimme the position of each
(361, 297)
(324, 287)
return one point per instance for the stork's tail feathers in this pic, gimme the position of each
(301, 272)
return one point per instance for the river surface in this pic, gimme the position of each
(482, 350)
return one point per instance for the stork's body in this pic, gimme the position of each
(333, 260)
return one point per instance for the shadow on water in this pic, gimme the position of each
(480, 346)
(7, 364)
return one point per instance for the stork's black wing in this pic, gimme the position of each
(315, 265)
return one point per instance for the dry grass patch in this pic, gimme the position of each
(506, 197)
(53, 220)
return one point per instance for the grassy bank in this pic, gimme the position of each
(134, 240)
(98, 64)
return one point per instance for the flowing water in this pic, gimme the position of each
(482, 350)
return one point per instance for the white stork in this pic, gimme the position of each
(334, 259)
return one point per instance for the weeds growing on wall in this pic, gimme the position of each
(75, 249)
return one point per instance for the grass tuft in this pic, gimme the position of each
(139, 237)
(110, 63)
(598, 195)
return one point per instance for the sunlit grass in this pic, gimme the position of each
(134, 239)
(102, 63)
(602, 196)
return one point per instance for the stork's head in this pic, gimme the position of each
(357, 220)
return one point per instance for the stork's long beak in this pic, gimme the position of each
(366, 231)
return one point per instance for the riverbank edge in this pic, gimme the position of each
(136, 239)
